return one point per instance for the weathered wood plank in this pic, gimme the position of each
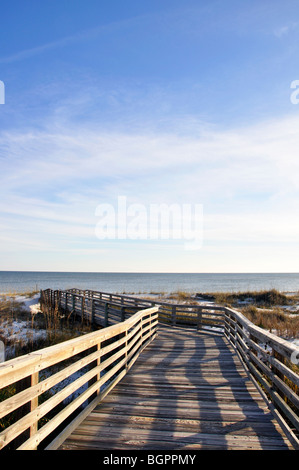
(196, 425)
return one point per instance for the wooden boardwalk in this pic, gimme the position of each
(187, 390)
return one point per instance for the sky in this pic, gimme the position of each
(188, 104)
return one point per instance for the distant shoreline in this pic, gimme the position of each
(146, 283)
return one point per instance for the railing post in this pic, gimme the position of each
(92, 311)
(173, 315)
(230, 328)
(74, 303)
(82, 308)
(41, 299)
(141, 330)
(126, 348)
(34, 403)
(99, 345)
(22, 385)
(65, 305)
(56, 300)
(199, 318)
(106, 314)
(150, 323)
(122, 314)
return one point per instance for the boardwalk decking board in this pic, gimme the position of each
(188, 390)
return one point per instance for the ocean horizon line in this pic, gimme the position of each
(147, 272)
(146, 282)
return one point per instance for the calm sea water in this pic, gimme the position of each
(21, 281)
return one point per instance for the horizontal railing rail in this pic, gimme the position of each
(97, 361)
(94, 310)
(58, 386)
(104, 308)
(273, 363)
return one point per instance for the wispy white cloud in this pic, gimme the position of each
(62, 42)
(78, 153)
(73, 39)
(286, 29)
(246, 178)
(129, 114)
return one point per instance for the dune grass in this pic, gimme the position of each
(274, 320)
(22, 331)
(265, 298)
(264, 308)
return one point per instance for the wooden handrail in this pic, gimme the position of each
(273, 368)
(272, 363)
(104, 308)
(103, 358)
(100, 359)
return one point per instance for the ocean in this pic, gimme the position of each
(26, 281)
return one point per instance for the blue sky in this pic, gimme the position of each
(158, 101)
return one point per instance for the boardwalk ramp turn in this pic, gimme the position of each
(152, 376)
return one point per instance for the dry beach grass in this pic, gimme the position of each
(24, 328)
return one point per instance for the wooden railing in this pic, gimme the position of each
(86, 368)
(97, 361)
(273, 363)
(104, 309)
(92, 308)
